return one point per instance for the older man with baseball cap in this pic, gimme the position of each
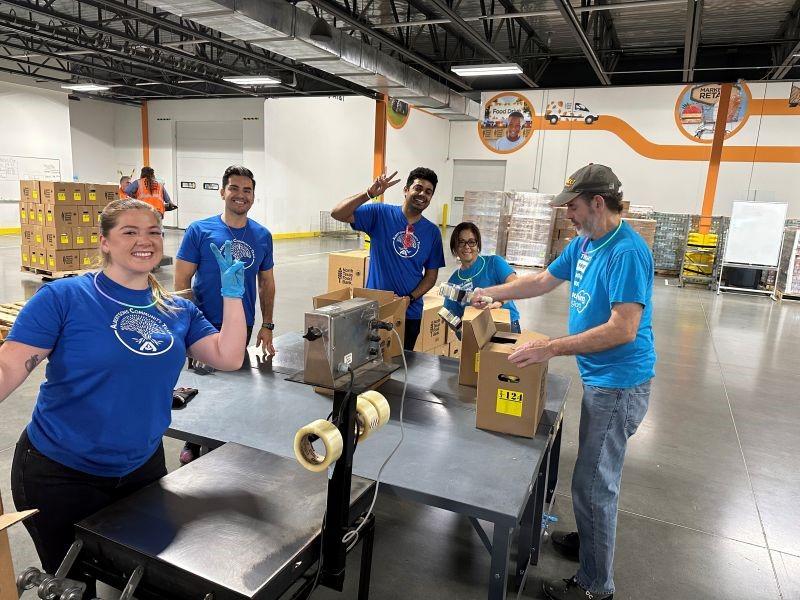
(610, 270)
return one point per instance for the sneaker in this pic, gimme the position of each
(569, 589)
(567, 544)
(187, 454)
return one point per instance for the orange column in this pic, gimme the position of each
(716, 154)
(379, 154)
(145, 136)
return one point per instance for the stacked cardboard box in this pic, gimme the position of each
(348, 269)
(644, 227)
(59, 223)
(563, 232)
(490, 212)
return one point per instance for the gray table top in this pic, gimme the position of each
(234, 503)
(444, 461)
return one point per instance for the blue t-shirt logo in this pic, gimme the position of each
(405, 244)
(580, 300)
(142, 333)
(244, 252)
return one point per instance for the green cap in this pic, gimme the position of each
(597, 179)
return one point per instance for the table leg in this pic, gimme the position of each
(538, 511)
(367, 542)
(525, 540)
(498, 576)
(555, 455)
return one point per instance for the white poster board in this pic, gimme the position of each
(756, 233)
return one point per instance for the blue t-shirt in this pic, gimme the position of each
(619, 271)
(252, 244)
(397, 261)
(106, 400)
(486, 272)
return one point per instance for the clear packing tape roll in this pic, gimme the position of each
(304, 449)
(372, 413)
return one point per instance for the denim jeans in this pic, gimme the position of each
(609, 416)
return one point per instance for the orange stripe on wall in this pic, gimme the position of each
(145, 136)
(716, 155)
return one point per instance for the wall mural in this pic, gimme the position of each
(575, 116)
(507, 123)
(697, 107)
(397, 113)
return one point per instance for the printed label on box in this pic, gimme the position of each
(509, 402)
(35, 194)
(79, 239)
(76, 196)
(93, 196)
(61, 196)
(86, 217)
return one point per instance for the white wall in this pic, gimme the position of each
(318, 151)
(34, 123)
(106, 140)
(641, 154)
(422, 142)
(163, 116)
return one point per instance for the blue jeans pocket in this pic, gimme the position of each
(638, 399)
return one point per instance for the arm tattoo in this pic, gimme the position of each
(32, 363)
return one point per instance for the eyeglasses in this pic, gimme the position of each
(470, 243)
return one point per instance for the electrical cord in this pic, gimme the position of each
(351, 537)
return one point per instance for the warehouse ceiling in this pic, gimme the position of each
(167, 49)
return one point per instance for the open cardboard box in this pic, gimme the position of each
(432, 328)
(391, 309)
(8, 582)
(510, 399)
(347, 269)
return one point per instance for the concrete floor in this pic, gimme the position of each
(711, 489)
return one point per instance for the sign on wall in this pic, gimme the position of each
(697, 107)
(507, 123)
(397, 113)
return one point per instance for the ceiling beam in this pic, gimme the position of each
(790, 28)
(571, 18)
(694, 18)
(476, 38)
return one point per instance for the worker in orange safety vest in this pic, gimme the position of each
(150, 191)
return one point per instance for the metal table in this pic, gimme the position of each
(445, 461)
(236, 524)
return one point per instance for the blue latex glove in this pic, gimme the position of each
(231, 271)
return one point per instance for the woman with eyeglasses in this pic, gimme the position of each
(479, 271)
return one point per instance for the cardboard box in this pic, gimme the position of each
(80, 238)
(8, 584)
(89, 259)
(31, 214)
(25, 252)
(348, 269)
(391, 309)
(94, 236)
(476, 330)
(454, 348)
(57, 240)
(61, 218)
(86, 216)
(23, 213)
(59, 193)
(29, 191)
(443, 350)
(100, 194)
(40, 215)
(63, 260)
(26, 235)
(510, 399)
(40, 256)
(502, 319)
(38, 236)
(433, 329)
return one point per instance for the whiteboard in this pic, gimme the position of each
(756, 233)
(15, 168)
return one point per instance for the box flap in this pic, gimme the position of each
(501, 315)
(9, 519)
(382, 296)
(482, 326)
(332, 297)
(505, 342)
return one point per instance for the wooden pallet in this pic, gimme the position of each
(47, 274)
(8, 314)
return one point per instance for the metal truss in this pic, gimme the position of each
(786, 56)
(142, 53)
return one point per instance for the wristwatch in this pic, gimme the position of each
(269, 326)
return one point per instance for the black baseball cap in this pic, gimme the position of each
(597, 179)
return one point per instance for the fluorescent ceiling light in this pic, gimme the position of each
(495, 69)
(252, 80)
(86, 87)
